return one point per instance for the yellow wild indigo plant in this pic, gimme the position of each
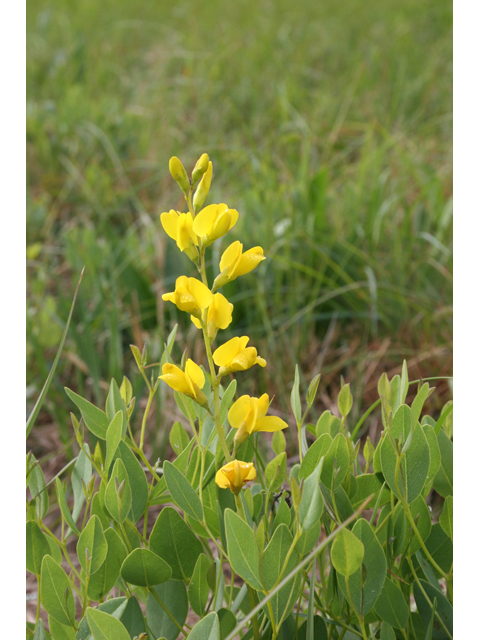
(249, 542)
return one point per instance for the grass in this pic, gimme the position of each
(329, 126)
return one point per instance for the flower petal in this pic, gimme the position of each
(263, 404)
(175, 378)
(220, 311)
(226, 352)
(249, 260)
(270, 423)
(221, 480)
(239, 411)
(202, 294)
(231, 255)
(204, 221)
(195, 374)
(251, 475)
(169, 223)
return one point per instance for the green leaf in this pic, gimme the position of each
(336, 462)
(443, 482)
(56, 592)
(182, 492)
(387, 632)
(228, 622)
(132, 618)
(144, 568)
(370, 484)
(206, 629)
(312, 504)
(43, 394)
(113, 607)
(415, 462)
(173, 541)
(275, 472)
(278, 442)
(319, 630)
(113, 437)
(391, 606)
(104, 626)
(421, 515)
(312, 389)
(178, 438)
(271, 566)
(37, 491)
(118, 494)
(62, 501)
(347, 553)
(444, 608)
(198, 588)
(95, 419)
(105, 578)
(37, 547)
(318, 450)
(227, 400)
(365, 591)
(295, 397)
(242, 550)
(93, 542)
(81, 471)
(60, 631)
(323, 424)
(114, 404)
(136, 478)
(435, 456)
(40, 633)
(345, 400)
(446, 519)
(417, 404)
(98, 510)
(173, 595)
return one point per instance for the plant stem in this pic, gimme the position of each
(145, 416)
(251, 598)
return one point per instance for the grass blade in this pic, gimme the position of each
(38, 405)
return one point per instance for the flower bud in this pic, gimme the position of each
(200, 168)
(203, 188)
(179, 174)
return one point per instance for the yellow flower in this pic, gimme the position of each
(179, 227)
(179, 174)
(203, 188)
(234, 475)
(249, 415)
(213, 222)
(190, 295)
(235, 263)
(234, 355)
(219, 315)
(190, 382)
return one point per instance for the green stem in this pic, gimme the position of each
(37, 617)
(145, 416)
(251, 598)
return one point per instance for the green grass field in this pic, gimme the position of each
(329, 127)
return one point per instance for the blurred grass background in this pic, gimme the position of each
(329, 127)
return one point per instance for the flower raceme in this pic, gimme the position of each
(235, 263)
(190, 382)
(179, 226)
(249, 415)
(234, 355)
(234, 475)
(190, 295)
(219, 315)
(213, 222)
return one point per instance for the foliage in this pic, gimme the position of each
(240, 547)
(332, 124)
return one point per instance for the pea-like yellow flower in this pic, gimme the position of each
(203, 188)
(219, 315)
(234, 475)
(190, 295)
(213, 222)
(234, 355)
(190, 382)
(179, 226)
(249, 415)
(235, 263)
